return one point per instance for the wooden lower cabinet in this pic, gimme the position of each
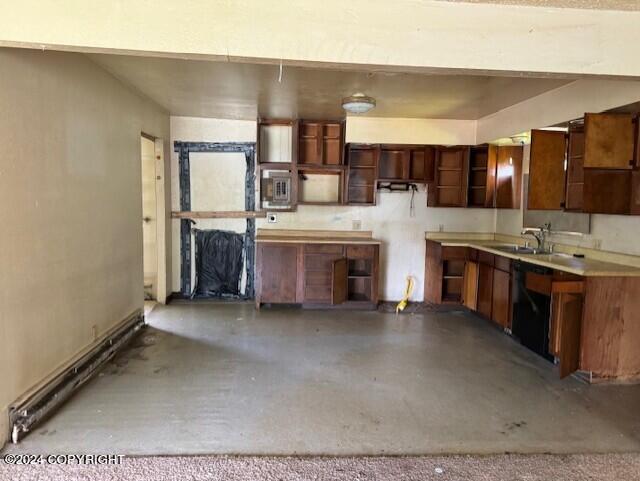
(277, 273)
(501, 299)
(470, 285)
(317, 274)
(485, 290)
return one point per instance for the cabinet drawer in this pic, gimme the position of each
(323, 249)
(452, 253)
(502, 263)
(485, 258)
(360, 252)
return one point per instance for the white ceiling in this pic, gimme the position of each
(246, 91)
(587, 4)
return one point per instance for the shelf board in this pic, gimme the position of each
(359, 276)
(322, 167)
(320, 203)
(452, 277)
(450, 169)
(478, 187)
(358, 297)
(478, 169)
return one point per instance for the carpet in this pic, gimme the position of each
(605, 467)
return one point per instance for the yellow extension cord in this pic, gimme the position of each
(407, 293)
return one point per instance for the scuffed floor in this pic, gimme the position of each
(609, 467)
(225, 379)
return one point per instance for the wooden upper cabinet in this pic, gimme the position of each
(574, 200)
(609, 141)
(479, 177)
(451, 178)
(492, 170)
(362, 172)
(406, 163)
(508, 177)
(546, 170)
(320, 143)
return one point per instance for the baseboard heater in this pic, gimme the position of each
(34, 409)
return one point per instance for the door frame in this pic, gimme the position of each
(161, 216)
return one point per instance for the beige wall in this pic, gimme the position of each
(390, 220)
(420, 34)
(70, 187)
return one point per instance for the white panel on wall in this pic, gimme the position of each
(275, 143)
(217, 181)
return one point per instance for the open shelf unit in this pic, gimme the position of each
(478, 163)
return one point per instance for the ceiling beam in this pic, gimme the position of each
(408, 35)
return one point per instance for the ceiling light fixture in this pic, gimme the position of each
(358, 103)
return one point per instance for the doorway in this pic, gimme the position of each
(149, 218)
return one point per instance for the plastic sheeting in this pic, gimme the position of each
(219, 263)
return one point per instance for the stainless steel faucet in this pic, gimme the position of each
(539, 234)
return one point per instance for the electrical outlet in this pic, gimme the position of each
(441, 228)
(272, 218)
(94, 332)
(597, 244)
(356, 225)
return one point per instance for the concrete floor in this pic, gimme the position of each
(223, 378)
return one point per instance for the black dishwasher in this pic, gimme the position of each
(531, 310)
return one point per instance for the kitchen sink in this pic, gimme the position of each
(515, 249)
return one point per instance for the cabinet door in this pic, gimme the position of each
(566, 321)
(470, 286)
(331, 144)
(609, 141)
(546, 170)
(607, 191)
(433, 273)
(451, 177)
(492, 170)
(575, 169)
(509, 177)
(310, 143)
(501, 299)
(485, 290)
(339, 281)
(277, 272)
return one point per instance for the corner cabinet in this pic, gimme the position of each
(594, 168)
(317, 274)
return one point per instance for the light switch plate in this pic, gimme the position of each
(272, 218)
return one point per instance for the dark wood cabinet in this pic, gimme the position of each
(320, 142)
(546, 170)
(495, 176)
(481, 176)
(362, 174)
(277, 272)
(575, 168)
(444, 273)
(610, 140)
(451, 178)
(319, 274)
(508, 177)
(470, 289)
(406, 163)
(485, 289)
(501, 308)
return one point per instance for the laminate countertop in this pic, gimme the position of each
(315, 237)
(562, 262)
